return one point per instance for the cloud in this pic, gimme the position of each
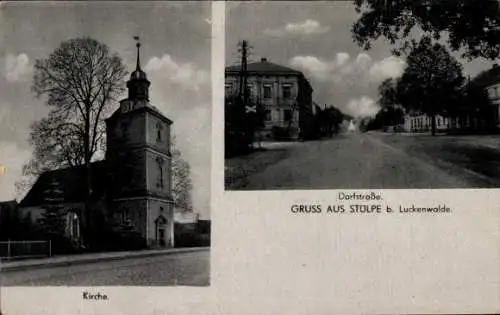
(192, 131)
(319, 68)
(344, 70)
(186, 75)
(308, 27)
(361, 107)
(390, 67)
(17, 67)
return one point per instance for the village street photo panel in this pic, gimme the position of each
(315, 99)
(105, 137)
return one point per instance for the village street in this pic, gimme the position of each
(372, 161)
(188, 268)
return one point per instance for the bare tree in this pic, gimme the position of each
(80, 79)
(181, 180)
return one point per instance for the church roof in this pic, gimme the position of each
(71, 181)
(152, 109)
(264, 67)
(488, 77)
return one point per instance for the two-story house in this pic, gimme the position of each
(284, 93)
(490, 81)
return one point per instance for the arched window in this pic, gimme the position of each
(159, 162)
(159, 129)
(124, 216)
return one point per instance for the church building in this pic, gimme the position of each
(134, 182)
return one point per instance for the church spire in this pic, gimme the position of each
(138, 45)
(138, 84)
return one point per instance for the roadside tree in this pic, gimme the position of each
(80, 80)
(469, 26)
(431, 82)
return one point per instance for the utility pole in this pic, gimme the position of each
(243, 92)
(243, 72)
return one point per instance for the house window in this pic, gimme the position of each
(267, 114)
(159, 129)
(267, 91)
(229, 89)
(287, 91)
(287, 114)
(249, 89)
(159, 162)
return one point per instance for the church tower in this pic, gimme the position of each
(139, 158)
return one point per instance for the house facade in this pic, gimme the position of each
(285, 95)
(134, 182)
(490, 81)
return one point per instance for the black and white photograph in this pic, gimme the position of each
(105, 143)
(362, 94)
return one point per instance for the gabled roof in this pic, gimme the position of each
(71, 181)
(150, 108)
(263, 67)
(488, 77)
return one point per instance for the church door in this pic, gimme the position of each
(161, 226)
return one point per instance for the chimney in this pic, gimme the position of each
(263, 59)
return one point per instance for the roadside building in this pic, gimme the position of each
(190, 230)
(489, 80)
(9, 215)
(8, 209)
(284, 93)
(470, 116)
(418, 122)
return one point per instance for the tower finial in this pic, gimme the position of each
(138, 45)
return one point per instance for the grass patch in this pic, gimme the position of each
(237, 169)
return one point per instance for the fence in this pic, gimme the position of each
(25, 249)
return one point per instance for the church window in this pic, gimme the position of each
(124, 216)
(159, 129)
(159, 162)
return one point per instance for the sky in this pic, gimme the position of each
(175, 53)
(315, 38)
